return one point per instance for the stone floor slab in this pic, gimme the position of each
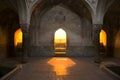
(57, 68)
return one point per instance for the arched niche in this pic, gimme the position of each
(103, 42)
(18, 38)
(60, 41)
(9, 20)
(103, 38)
(45, 21)
(73, 5)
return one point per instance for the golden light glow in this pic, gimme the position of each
(103, 37)
(60, 34)
(60, 41)
(61, 65)
(18, 38)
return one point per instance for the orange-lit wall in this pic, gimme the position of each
(103, 37)
(18, 38)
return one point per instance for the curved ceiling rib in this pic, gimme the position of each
(78, 6)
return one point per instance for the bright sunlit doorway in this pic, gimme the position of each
(103, 42)
(18, 42)
(18, 38)
(103, 38)
(60, 42)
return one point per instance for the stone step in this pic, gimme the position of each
(60, 52)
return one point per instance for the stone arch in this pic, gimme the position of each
(111, 20)
(103, 37)
(110, 7)
(46, 22)
(103, 43)
(54, 2)
(60, 41)
(67, 34)
(100, 11)
(18, 42)
(23, 11)
(18, 38)
(9, 21)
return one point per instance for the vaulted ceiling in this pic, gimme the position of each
(112, 16)
(77, 6)
(114, 9)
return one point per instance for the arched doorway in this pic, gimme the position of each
(103, 38)
(60, 42)
(103, 42)
(18, 42)
(18, 38)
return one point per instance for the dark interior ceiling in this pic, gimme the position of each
(112, 17)
(114, 8)
(76, 6)
(8, 16)
(4, 4)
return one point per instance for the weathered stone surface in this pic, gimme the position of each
(78, 30)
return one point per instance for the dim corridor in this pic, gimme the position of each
(61, 68)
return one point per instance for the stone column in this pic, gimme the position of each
(25, 31)
(96, 41)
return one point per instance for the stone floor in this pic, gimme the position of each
(61, 68)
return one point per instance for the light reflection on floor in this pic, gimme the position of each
(61, 65)
(56, 68)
